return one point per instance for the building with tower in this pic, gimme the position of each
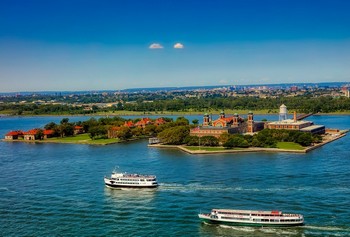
(294, 124)
(236, 124)
(231, 124)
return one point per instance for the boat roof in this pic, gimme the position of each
(249, 211)
(127, 175)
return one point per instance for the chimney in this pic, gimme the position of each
(295, 116)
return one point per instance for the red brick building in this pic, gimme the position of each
(231, 125)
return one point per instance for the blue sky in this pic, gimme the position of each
(93, 45)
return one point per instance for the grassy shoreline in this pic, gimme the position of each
(78, 139)
(289, 147)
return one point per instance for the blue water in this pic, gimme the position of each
(58, 190)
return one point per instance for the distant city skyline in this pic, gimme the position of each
(115, 45)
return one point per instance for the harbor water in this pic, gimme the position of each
(58, 189)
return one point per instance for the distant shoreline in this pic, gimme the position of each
(131, 113)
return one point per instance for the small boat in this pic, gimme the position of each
(125, 180)
(252, 218)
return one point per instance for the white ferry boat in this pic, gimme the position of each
(125, 180)
(252, 218)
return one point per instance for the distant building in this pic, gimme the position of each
(295, 124)
(113, 132)
(31, 134)
(159, 121)
(283, 115)
(233, 124)
(48, 133)
(129, 124)
(13, 135)
(346, 90)
(143, 122)
(293, 88)
(78, 130)
(347, 93)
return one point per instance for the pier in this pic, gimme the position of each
(302, 116)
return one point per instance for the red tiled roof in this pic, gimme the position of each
(129, 124)
(160, 121)
(143, 121)
(31, 132)
(48, 132)
(228, 119)
(14, 133)
(78, 127)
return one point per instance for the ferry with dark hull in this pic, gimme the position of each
(125, 180)
(252, 218)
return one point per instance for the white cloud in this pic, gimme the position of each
(155, 46)
(178, 46)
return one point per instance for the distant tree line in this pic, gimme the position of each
(302, 104)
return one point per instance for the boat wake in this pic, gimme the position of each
(199, 187)
(239, 228)
(6, 189)
(326, 228)
(263, 231)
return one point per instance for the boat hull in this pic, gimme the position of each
(118, 186)
(253, 224)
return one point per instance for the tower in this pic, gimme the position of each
(222, 114)
(235, 120)
(205, 120)
(250, 125)
(283, 112)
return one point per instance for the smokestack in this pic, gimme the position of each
(295, 116)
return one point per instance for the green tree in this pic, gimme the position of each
(209, 141)
(236, 141)
(174, 135)
(192, 141)
(316, 138)
(124, 133)
(182, 121)
(195, 121)
(98, 131)
(50, 125)
(224, 137)
(304, 139)
(64, 121)
(39, 134)
(150, 130)
(136, 132)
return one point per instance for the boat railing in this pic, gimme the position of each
(292, 215)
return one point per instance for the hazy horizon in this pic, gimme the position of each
(114, 45)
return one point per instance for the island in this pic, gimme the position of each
(226, 134)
